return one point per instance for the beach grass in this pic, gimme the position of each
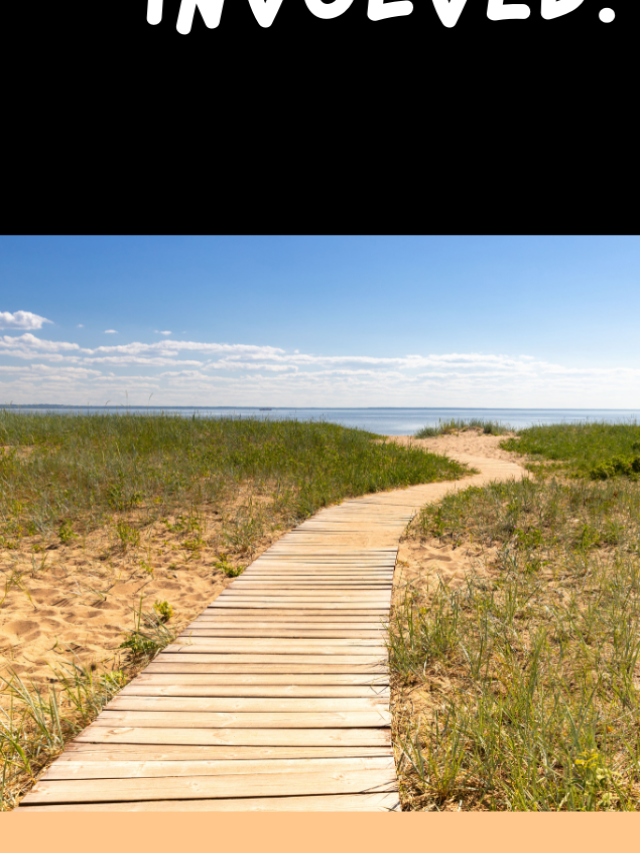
(36, 724)
(597, 450)
(62, 477)
(60, 473)
(454, 425)
(517, 688)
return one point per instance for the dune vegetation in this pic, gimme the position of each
(517, 687)
(455, 425)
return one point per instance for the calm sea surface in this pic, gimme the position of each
(382, 421)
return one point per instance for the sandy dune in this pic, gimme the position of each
(424, 561)
(76, 600)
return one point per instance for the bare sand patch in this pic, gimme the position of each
(423, 562)
(76, 600)
(21, 452)
(463, 445)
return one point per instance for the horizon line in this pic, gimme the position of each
(322, 408)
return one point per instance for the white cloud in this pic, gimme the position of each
(137, 348)
(21, 320)
(123, 360)
(32, 346)
(162, 333)
(80, 326)
(181, 372)
(110, 332)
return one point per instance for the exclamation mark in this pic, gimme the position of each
(154, 11)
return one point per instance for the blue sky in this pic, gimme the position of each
(327, 321)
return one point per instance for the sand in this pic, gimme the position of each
(76, 601)
(427, 561)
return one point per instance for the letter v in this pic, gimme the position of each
(449, 10)
(265, 11)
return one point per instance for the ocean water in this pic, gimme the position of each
(383, 421)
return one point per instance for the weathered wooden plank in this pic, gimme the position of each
(296, 602)
(310, 583)
(355, 563)
(79, 769)
(335, 571)
(263, 679)
(313, 556)
(315, 568)
(102, 752)
(305, 596)
(281, 605)
(359, 567)
(199, 655)
(318, 691)
(320, 522)
(332, 803)
(318, 570)
(307, 586)
(272, 720)
(227, 622)
(209, 664)
(263, 621)
(281, 645)
(297, 582)
(267, 619)
(223, 787)
(302, 633)
(240, 598)
(304, 554)
(371, 636)
(352, 518)
(314, 578)
(283, 544)
(132, 702)
(236, 737)
(300, 613)
(320, 555)
(304, 600)
(296, 620)
(323, 562)
(298, 564)
(258, 624)
(340, 575)
(339, 581)
(292, 549)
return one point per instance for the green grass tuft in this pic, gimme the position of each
(452, 426)
(596, 450)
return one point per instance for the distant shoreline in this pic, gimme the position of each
(315, 408)
(382, 420)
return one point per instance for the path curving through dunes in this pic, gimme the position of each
(276, 698)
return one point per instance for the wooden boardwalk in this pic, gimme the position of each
(276, 698)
